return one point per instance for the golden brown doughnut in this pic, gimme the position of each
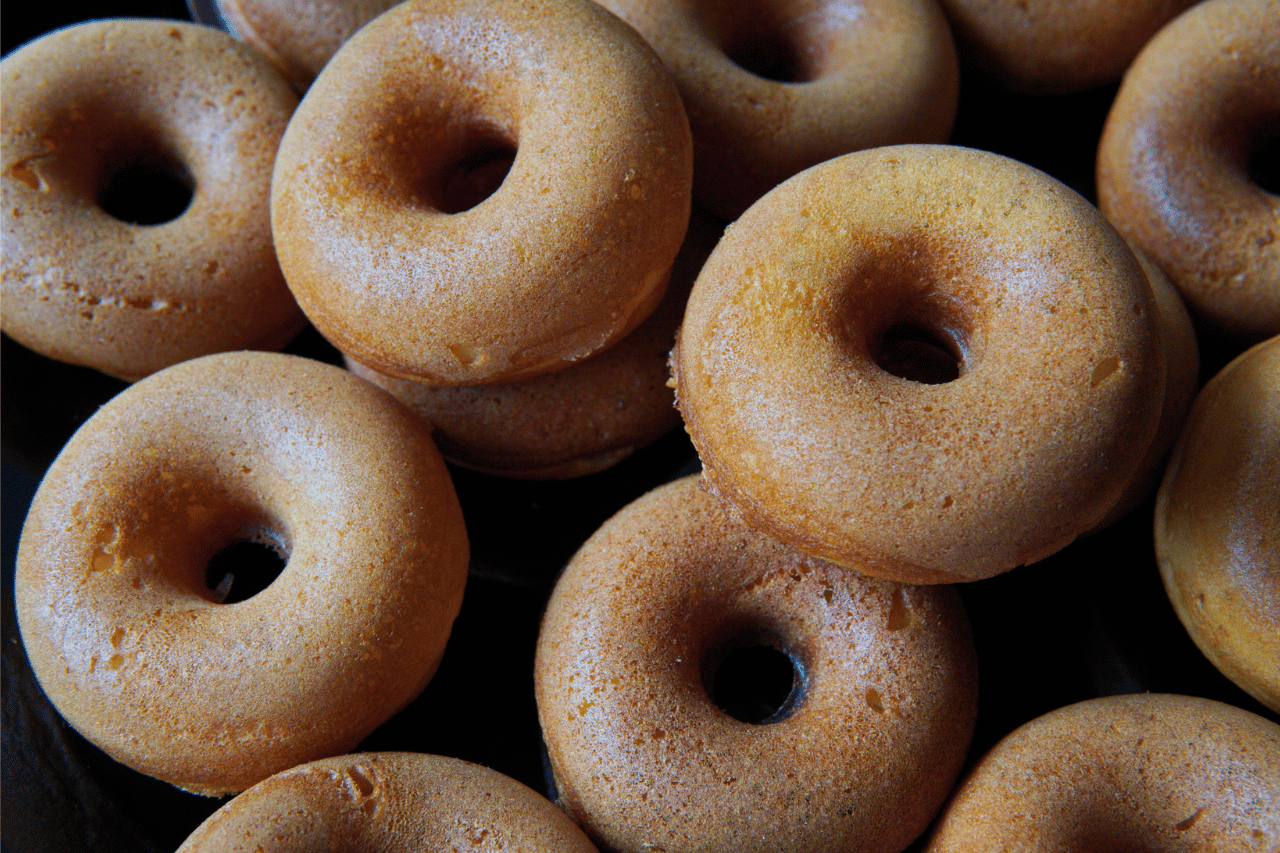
(299, 36)
(641, 629)
(89, 112)
(790, 386)
(568, 254)
(573, 422)
(1138, 773)
(1217, 523)
(1199, 103)
(117, 617)
(772, 88)
(1055, 46)
(388, 802)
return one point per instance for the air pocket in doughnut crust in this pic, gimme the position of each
(378, 207)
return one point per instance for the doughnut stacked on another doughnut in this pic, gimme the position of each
(1217, 523)
(635, 655)
(122, 627)
(389, 802)
(930, 363)
(576, 421)
(376, 174)
(1142, 772)
(772, 88)
(93, 114)
(1199, 104)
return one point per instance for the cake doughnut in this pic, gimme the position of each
(1140, 772)
(373, 187)
(1217, 523)
(1199, 104)
(387, 802)
(573, 422)
(117, 615)
(1055, 47)
(857, 748)
(299, 37)
(930, 363)
(772, 88)
(95, 117)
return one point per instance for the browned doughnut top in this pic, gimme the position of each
(774, 87)
(117, 616)
(388, 802)
(1217, 523)
(1141, 774)
(90, 114)
(568, 254)
(637, 650)
(798, 364)
(1199, 104)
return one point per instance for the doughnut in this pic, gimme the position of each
(298, 37)
(387, 802)
(656, 740)
(1055, 47)
(1217, 518)
(118, 617)
(772, 88)
(929, 363)
(1193, 116)
(100, 122)
(576, 421)
(1142, 772)
(410, 121)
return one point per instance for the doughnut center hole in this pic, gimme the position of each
(778, 43)
(476, 175)
(757, 683)
(147, 192)
(242, 570)
(919, 352)
(1264, 166)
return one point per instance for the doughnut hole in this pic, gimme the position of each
(782, 42)
(241, 570)
(1264, 164)
(145, 188)
(755, 678)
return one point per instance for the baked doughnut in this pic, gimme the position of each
(573, 422)
(299, 36)
(636, 657)
(121, 626)
(388, 802)
(95, 117)
(772, 88)
(925, 362)
(566, 256)
(1200, 102)
(1217, 523)
(1140, 772)
(1055, 47)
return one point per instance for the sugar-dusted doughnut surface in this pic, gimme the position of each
(931, 363)
(374, 196)
(101, 120)
(122, 625)
(670, 613)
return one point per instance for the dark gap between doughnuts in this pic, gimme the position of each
(476, 177)
(242, 570)
(918, 353)
(757, 684)
(1264, 166)
(147, 192)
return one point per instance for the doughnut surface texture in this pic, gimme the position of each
(568, 254)
(1133, 773)
(772, 87)
(1217, 523)
(118, 618)
(1055, 47)
(1043, 310)
(299, 36)
(389, 802)
(1173, 167)
(87, 107)
(628, 655)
